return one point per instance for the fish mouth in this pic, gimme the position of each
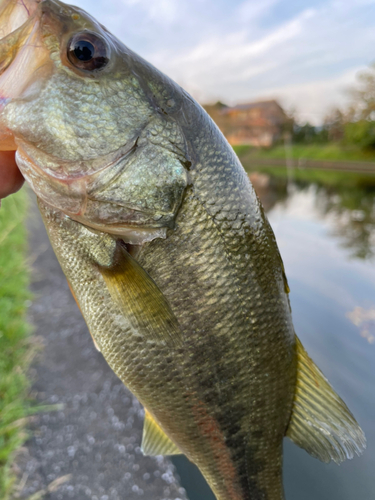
(18, 37)
(14, 14)
(78, 195)
(21, 54)
(32, 37)
(18, 33)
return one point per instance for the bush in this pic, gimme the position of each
(361, 133)
(308, 134)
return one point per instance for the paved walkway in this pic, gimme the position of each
(90, 448)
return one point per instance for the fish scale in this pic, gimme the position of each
(232, 317)
(168, 253)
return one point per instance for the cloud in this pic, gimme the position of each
(364, 319)
(313, 100)
(162, 11)
(228, 58)
(250, 11)
(240, 50)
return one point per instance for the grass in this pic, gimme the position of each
(330, 151)
(15, 350)
(329, 178)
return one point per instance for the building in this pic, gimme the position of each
(257, 123)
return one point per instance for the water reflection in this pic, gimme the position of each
(351, 210)
(365, 321)
(353, 213)
(326, 238)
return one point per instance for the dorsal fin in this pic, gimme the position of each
(321, 423)
(155, 441)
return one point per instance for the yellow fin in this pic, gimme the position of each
(321, 423)
(155, 441)
(140, 300)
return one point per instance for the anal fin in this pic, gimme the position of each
(155, 441)
(321, 423)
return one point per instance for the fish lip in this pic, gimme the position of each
(10, 46)
(19, 31)
(71, 178)
(17, 23)
(16, 36)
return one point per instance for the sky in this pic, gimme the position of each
(305, 53)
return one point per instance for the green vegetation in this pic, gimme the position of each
(242, 149)
(328, 178)
(249, 155)
(15, 347)
(350, 127)
(330, 151)
(361, 133)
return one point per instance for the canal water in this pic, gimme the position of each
(326, 237)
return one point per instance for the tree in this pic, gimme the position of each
(334, 124)
(363, 96)
(361, 133)
(356, 125)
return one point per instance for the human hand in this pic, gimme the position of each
(11, 178)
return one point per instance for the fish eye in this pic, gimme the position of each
(88, 51)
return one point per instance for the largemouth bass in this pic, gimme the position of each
(167, 251)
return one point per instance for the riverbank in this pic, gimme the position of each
(330, 173)
(15, 343)
(330, 151)
(328, 178)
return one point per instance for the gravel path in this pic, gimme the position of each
(89, 449)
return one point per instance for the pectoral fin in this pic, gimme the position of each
(321, 423)
(140, 300)
(155, 441)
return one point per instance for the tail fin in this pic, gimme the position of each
(321, 423)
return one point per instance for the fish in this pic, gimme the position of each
(167, 251)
